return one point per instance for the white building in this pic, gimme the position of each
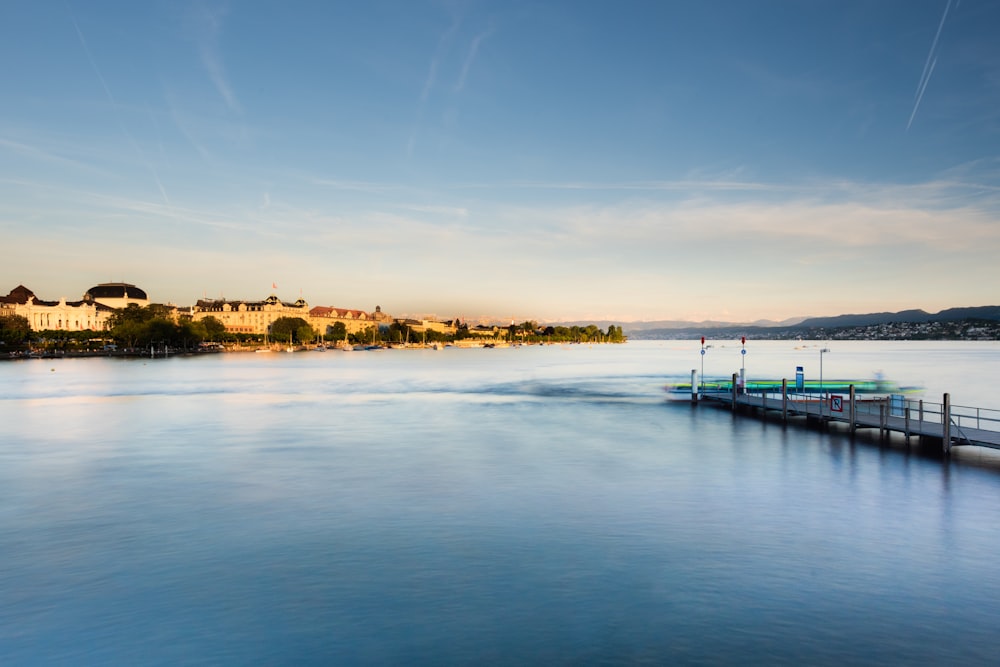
(59, 315)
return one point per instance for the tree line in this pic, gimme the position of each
(142, 327)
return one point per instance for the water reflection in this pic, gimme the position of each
(509, 506)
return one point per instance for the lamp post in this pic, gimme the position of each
(702, 378)
(743, 365)
(821, 353)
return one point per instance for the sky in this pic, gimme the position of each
(545, 160)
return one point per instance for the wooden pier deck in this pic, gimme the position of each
(952, 425)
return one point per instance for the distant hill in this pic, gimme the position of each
(673, 328)
(662, 325)
(867, 319)
(949, 315)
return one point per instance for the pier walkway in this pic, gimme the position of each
(952, 425)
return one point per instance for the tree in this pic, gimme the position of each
(213, 328)
(14, 329)
(286, 328)
(398, 331)
(336, 332)
(305, 334)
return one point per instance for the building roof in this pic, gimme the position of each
(340, 313)
(19, 294)
(115, 291)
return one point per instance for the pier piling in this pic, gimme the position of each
(946, 424)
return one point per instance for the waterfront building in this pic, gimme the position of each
(249, 317)
(61, 315)
(324, 318)
(483, 331)
(117, 295)
(449, 327)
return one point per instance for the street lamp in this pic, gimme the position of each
(821, 353)
(743, 365)
(702, 378)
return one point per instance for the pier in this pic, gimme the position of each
(953, 425)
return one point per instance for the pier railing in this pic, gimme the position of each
(887, 412)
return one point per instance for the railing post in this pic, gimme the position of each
(852, 411)
(734, 392)
(906, 423)
(881, 420)
(694, 387)
(784, 400)
(946, 424)
(921, 420)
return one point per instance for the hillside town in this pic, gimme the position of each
(963, 329)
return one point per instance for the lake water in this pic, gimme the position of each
(536, 505)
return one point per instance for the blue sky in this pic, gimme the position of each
(529, 160)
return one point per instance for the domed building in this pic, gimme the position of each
(116, 295)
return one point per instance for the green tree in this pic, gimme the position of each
(287, 328)
(337, 332)
(14, 329)
(214, 330)
(398, 332)
(305, 334)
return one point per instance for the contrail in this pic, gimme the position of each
(920, 95)
(114, 106)
(925, 76)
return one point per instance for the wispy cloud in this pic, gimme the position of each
(929, 65)
(355, 186)
(183, 126)
(470, 57)
(682, 185)
(114, 106)
(43, 155)
(451, 211)
(440, 52)
(211, 59)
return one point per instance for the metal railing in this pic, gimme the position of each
(916, 413)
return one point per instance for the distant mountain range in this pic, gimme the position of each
(657, 328)
(916, 316)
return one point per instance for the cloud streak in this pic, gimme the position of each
(929, 65)
(440, 52)
(114, 106)
(211, 60)
(470, 57)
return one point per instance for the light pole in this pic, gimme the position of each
(743, 365)
(821, 353)
(701, 380)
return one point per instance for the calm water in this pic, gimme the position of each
(510, 506)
